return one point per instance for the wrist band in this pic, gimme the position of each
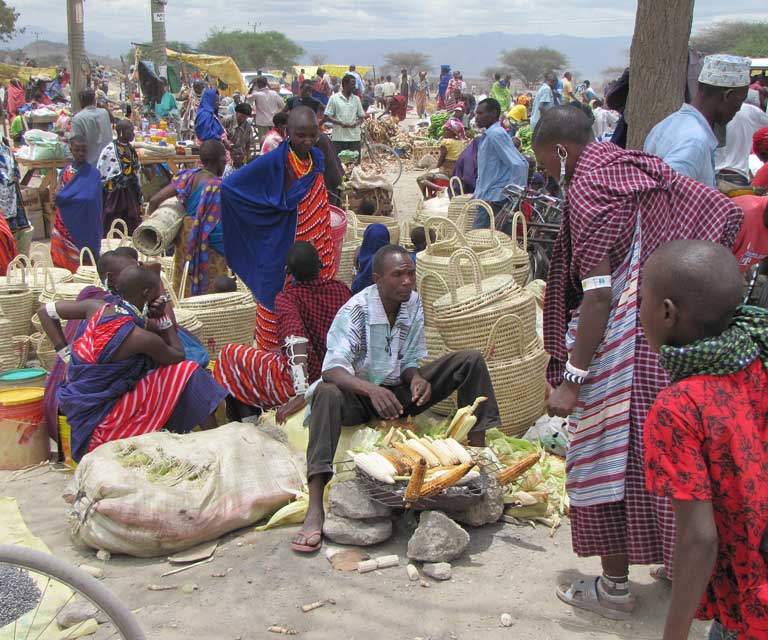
(581, 373)
(297, 370)
(569, 377)
(50, 309)
(598, 282)
(64, 353)
(164, 323)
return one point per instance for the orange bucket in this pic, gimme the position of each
(23, 437)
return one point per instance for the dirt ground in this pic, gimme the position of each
(507, 569)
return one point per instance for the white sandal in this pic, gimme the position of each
(583, 594)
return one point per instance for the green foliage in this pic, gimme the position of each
(530, 65)
(411, 60)
(266, 50)
(737, 38)
(8, 17)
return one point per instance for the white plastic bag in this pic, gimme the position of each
(162, 492)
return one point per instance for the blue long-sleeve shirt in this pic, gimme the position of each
(499, 164)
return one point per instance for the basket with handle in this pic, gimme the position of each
(117, 236)
(431, 286)
(44, 350)
(226, 318)
(392, 225)
(18, 304)
(352, 240)
(520, 382)
(436, 349)
(8, 356)
(87, 273)
(53, 290)
(39, 262)
(467, 313)
(458, 204)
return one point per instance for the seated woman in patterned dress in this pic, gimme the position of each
(127, 375)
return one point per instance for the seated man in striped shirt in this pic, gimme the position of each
(257, 379)
(371, 370)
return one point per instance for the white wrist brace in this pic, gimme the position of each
(297, 370)
(50, 309)
(598, 282)
(64, 352)
(581, 373)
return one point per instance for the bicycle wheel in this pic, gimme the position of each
(388, 163)
(35, 587)
(539, 261)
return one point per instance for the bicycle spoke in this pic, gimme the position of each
(57, 614)
(37, 609)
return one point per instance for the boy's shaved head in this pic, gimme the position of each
(701, 278)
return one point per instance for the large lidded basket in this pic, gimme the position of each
(17, 303)
(350, 244)
(520, 382)
(226, 318)
(466, 315)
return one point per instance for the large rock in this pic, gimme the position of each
(487, 511)
(350, 500)
(437, 539)
(362, 533)
(76, 612)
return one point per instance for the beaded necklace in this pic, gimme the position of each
(300, 167)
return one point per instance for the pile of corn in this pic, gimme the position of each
(430, 465)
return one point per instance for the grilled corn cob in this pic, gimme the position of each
(514, 471)
(399, 463)
(447, 456)
(424, 452)
(449, 478)
(413, 489)
(376, 466)
(464, 420)
(459, 451)
(407, 452)
(444, 459)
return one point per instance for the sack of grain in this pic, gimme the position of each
(162, 492)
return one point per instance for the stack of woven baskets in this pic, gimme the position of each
(356, 226)
(498, 317)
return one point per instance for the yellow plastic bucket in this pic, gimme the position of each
(23, 437)
(65, 435)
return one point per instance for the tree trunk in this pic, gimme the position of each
(76, 41)
(158, 37)
(658, 65)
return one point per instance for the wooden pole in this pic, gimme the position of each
(158, 37)
(76, 46)
(658, 65)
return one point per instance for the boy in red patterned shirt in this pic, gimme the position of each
(706, 436)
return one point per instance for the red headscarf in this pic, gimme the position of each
(760, 143)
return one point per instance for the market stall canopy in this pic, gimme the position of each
(336, 70)
(11, 71)
(223, 68)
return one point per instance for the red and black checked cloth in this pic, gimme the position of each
(609, 187)
(307, 309)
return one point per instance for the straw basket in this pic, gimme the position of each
(46, 354)
(519, 383)
(34, 268)
(87, 273)
(8, 356)
(481, 239)
(158, 232)
(226, 318)
(117, 236)
(432, 286)
(363, 222)
(53, 290)
(458, 205)
(419, 152)
(188, 320)
(436, 349)
(18, 304)
(466, 315)
(352, 240)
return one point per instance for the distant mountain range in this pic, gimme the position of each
(472, 54)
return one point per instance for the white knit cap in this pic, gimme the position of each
(723, 70)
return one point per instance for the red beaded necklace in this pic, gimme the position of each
(300, 167)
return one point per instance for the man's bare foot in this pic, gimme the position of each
(310, 537)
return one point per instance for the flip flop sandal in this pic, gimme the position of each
(583, 594)
(659, 573)
(308, 548)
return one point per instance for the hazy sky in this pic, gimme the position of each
(190, 20)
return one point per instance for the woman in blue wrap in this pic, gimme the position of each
(375, 237)
(208, 126)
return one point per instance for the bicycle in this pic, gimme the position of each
(386, 160)
(36, 587)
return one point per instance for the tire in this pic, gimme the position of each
(76, 579)
(385, 158)
(539, 262)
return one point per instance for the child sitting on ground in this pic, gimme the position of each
(419, 240)
(706, 436)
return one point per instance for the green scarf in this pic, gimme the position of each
(745, 340)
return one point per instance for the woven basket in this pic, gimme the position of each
(46, 354)
(59, 290)
(519, 383)
(158, 232)
(117, 236)
(363, 222)
(483, 239)
(457, 207)
(188, 320)
(419, 152)
(8, 357)
(352, 241)
(87, 273)
(432, 286)
(21, 351)
(18, 304)
(436, 349)
(467, 314)
(226, 318)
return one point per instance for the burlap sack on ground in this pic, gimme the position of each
(161, 492)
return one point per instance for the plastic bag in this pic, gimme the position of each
(552, 433)
(162, 492)
(44, 145)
